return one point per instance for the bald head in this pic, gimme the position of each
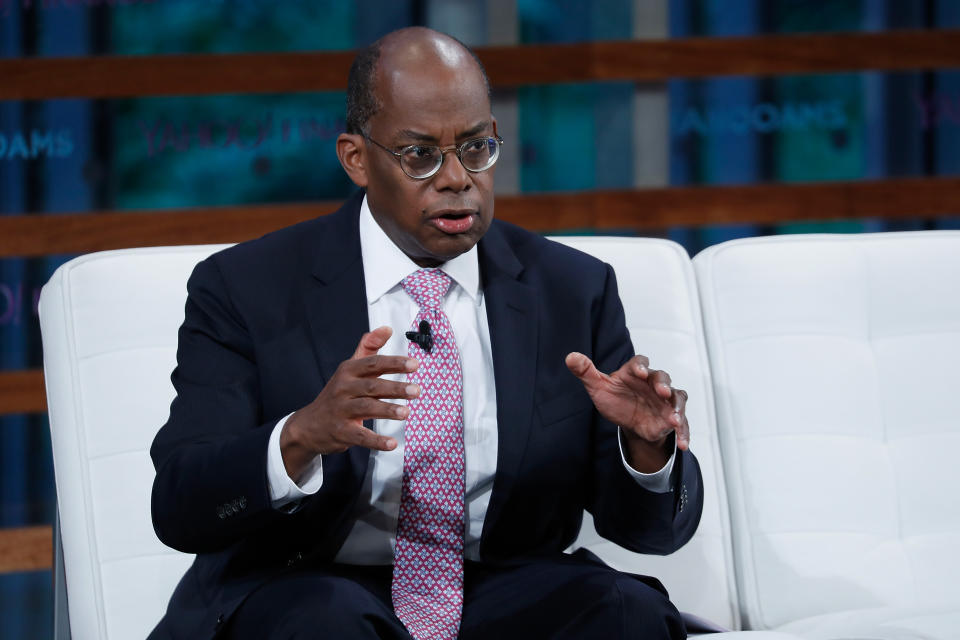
(420, 45)
(398, 56)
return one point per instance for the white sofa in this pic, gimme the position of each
(853, 542)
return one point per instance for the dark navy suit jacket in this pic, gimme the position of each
(267, 323)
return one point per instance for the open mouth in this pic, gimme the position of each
(454, 221)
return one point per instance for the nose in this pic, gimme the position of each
(452, 174)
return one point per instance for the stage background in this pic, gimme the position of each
(696, 120)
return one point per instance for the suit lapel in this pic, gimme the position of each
(337, 300)
(512, 314)
(336, 308)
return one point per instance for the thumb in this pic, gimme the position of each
(583, 367)
(372, 342)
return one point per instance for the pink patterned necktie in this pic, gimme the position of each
(428, 561)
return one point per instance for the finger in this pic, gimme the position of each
(661, 383)
(636, 374)
(380, 388)
(679, 400)
(371, 342)
(583, 367)
(683, 435)
(372, 409)
(639, 365)
(374, 366)
(359, 436)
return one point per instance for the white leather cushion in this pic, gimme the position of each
(834, 360)
(893, 623)
(657, 287)
(109, 323)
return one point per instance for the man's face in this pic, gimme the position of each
(437, 218)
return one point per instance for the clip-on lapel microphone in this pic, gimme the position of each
(423, 337)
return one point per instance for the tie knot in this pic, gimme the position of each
(427, 287)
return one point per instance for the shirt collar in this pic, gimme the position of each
(385, 265)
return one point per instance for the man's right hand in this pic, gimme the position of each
(333, 422)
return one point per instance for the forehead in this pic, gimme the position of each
(431, 97)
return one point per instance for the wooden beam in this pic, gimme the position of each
(22, 392)
(641, 210)
(37, 235)
(637, 60)
(656, 209)
(26, 549)
(659, 60)
(163, 75)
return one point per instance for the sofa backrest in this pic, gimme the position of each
(656, 283)
(835, 364)
(109, 323)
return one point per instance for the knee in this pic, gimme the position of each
(333, 604)
(302, 606)
(646, 612)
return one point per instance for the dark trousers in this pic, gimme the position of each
(571, 597)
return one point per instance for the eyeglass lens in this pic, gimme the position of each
(476, 155)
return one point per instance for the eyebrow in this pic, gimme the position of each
(410, 134)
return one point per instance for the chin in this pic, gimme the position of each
(449, 251)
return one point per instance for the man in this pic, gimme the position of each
(333, 486)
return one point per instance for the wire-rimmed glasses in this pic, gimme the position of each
(421, 161)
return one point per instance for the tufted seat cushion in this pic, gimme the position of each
(109, 323)
(659, 294)
(835, 369)
(883, 623)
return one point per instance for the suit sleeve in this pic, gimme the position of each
(625, 512)
(210, 457)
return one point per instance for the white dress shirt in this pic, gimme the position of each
(372, 539)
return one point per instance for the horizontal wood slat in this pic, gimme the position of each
(22, 392)
(645, 60)
(36, 235)
(640, 60)
(640, 209)
(26, 549)
(163, 75)
(646, 210)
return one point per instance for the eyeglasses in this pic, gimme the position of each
(421, 161)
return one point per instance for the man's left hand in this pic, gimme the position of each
(641, 401)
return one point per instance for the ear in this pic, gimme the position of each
(352, 153)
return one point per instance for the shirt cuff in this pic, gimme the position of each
(658, 481)
(283, 490)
